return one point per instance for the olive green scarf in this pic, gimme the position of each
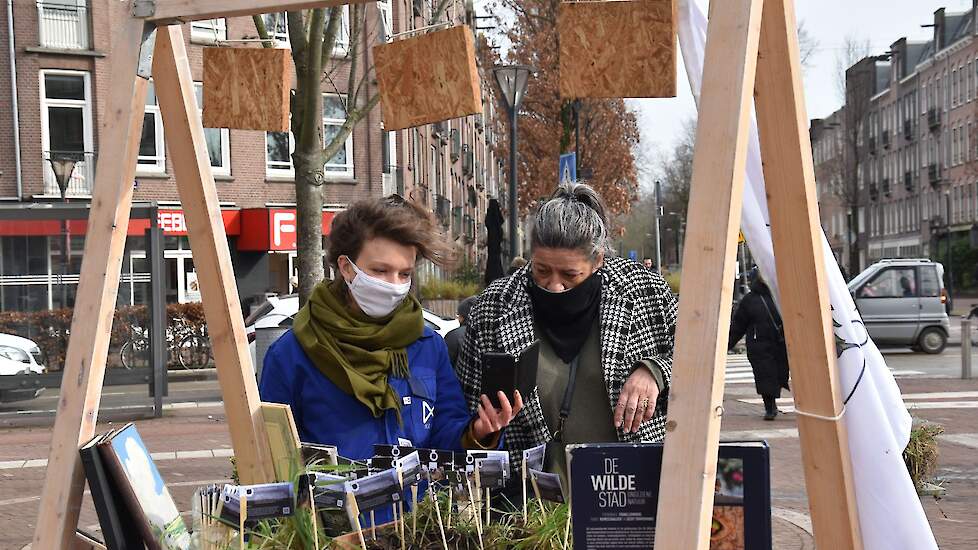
(357, 352)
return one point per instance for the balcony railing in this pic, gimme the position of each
(63, 25)
(82, 178)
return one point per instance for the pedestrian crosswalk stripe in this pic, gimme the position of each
(739, 371)
(942, 395)
(966, 440)
(921, 401)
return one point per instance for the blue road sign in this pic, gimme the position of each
(567, 171)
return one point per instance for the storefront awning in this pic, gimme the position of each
(257, 229)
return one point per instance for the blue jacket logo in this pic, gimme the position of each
(428, 411)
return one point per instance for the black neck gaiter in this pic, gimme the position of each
(566, 318)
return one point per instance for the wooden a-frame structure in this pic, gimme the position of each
(742, 43)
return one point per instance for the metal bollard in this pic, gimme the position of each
(965, 348)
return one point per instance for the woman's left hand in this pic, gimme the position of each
(491, 420)
(636, 404)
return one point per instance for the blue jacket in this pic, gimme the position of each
(432, 406)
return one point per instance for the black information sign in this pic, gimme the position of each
(614, 496)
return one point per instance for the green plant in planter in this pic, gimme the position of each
(922, 453)
(546, 526)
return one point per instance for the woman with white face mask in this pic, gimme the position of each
(359, 366)
(605, 327)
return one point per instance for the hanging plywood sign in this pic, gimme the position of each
(247, 88)
(617, 49)
(428, 78)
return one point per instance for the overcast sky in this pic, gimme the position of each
(829, 22)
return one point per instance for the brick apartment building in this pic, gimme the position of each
(908, 134)
(53, 89)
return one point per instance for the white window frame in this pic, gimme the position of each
(342, 41)
(342, 45)
(158, 165)
(209, 31)
(346, 171)
(386, 15)
(280, 36)
(278, 170)
(85, 105)
(389, 172)
(225, 168)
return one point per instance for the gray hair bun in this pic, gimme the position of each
(574, 217)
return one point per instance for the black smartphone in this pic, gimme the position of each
(507, 373)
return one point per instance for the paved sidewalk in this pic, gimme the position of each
(191, 445)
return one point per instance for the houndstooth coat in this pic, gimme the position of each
(637, 322)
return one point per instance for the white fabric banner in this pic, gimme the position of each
(890, 514)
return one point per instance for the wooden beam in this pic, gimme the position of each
(91, 325)
(168, 11)
(212, 258)
(696, 395)
(789, 178)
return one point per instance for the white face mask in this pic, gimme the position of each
(377, 298)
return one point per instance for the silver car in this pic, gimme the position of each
(903, 303)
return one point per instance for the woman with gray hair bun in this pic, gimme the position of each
(605, 327)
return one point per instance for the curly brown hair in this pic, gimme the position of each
(390, 217)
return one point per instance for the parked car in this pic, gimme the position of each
(277, 313)
(902, 303)
(20, 356)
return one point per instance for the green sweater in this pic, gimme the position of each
(591, 419)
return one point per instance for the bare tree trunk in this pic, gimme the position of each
(312, 36)
(308, 160)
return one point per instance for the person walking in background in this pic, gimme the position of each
(758, 319)
(454, 338)
(648, 264)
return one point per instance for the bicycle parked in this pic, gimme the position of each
(186, 345)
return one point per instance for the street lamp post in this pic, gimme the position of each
(63, 166)
(950, 262)
(658, 214)
(512, 80)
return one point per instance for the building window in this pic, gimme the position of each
(152, 150)
(218, 140)
(63, 24)
(277, 25)
(386, 19)
(279, 147)
(388, 142)
(339, 165)
(66, 128)
(343, 36)
(209, 30)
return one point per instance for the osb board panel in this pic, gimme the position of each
(428, 78)
(617, 49)
(247, 88)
